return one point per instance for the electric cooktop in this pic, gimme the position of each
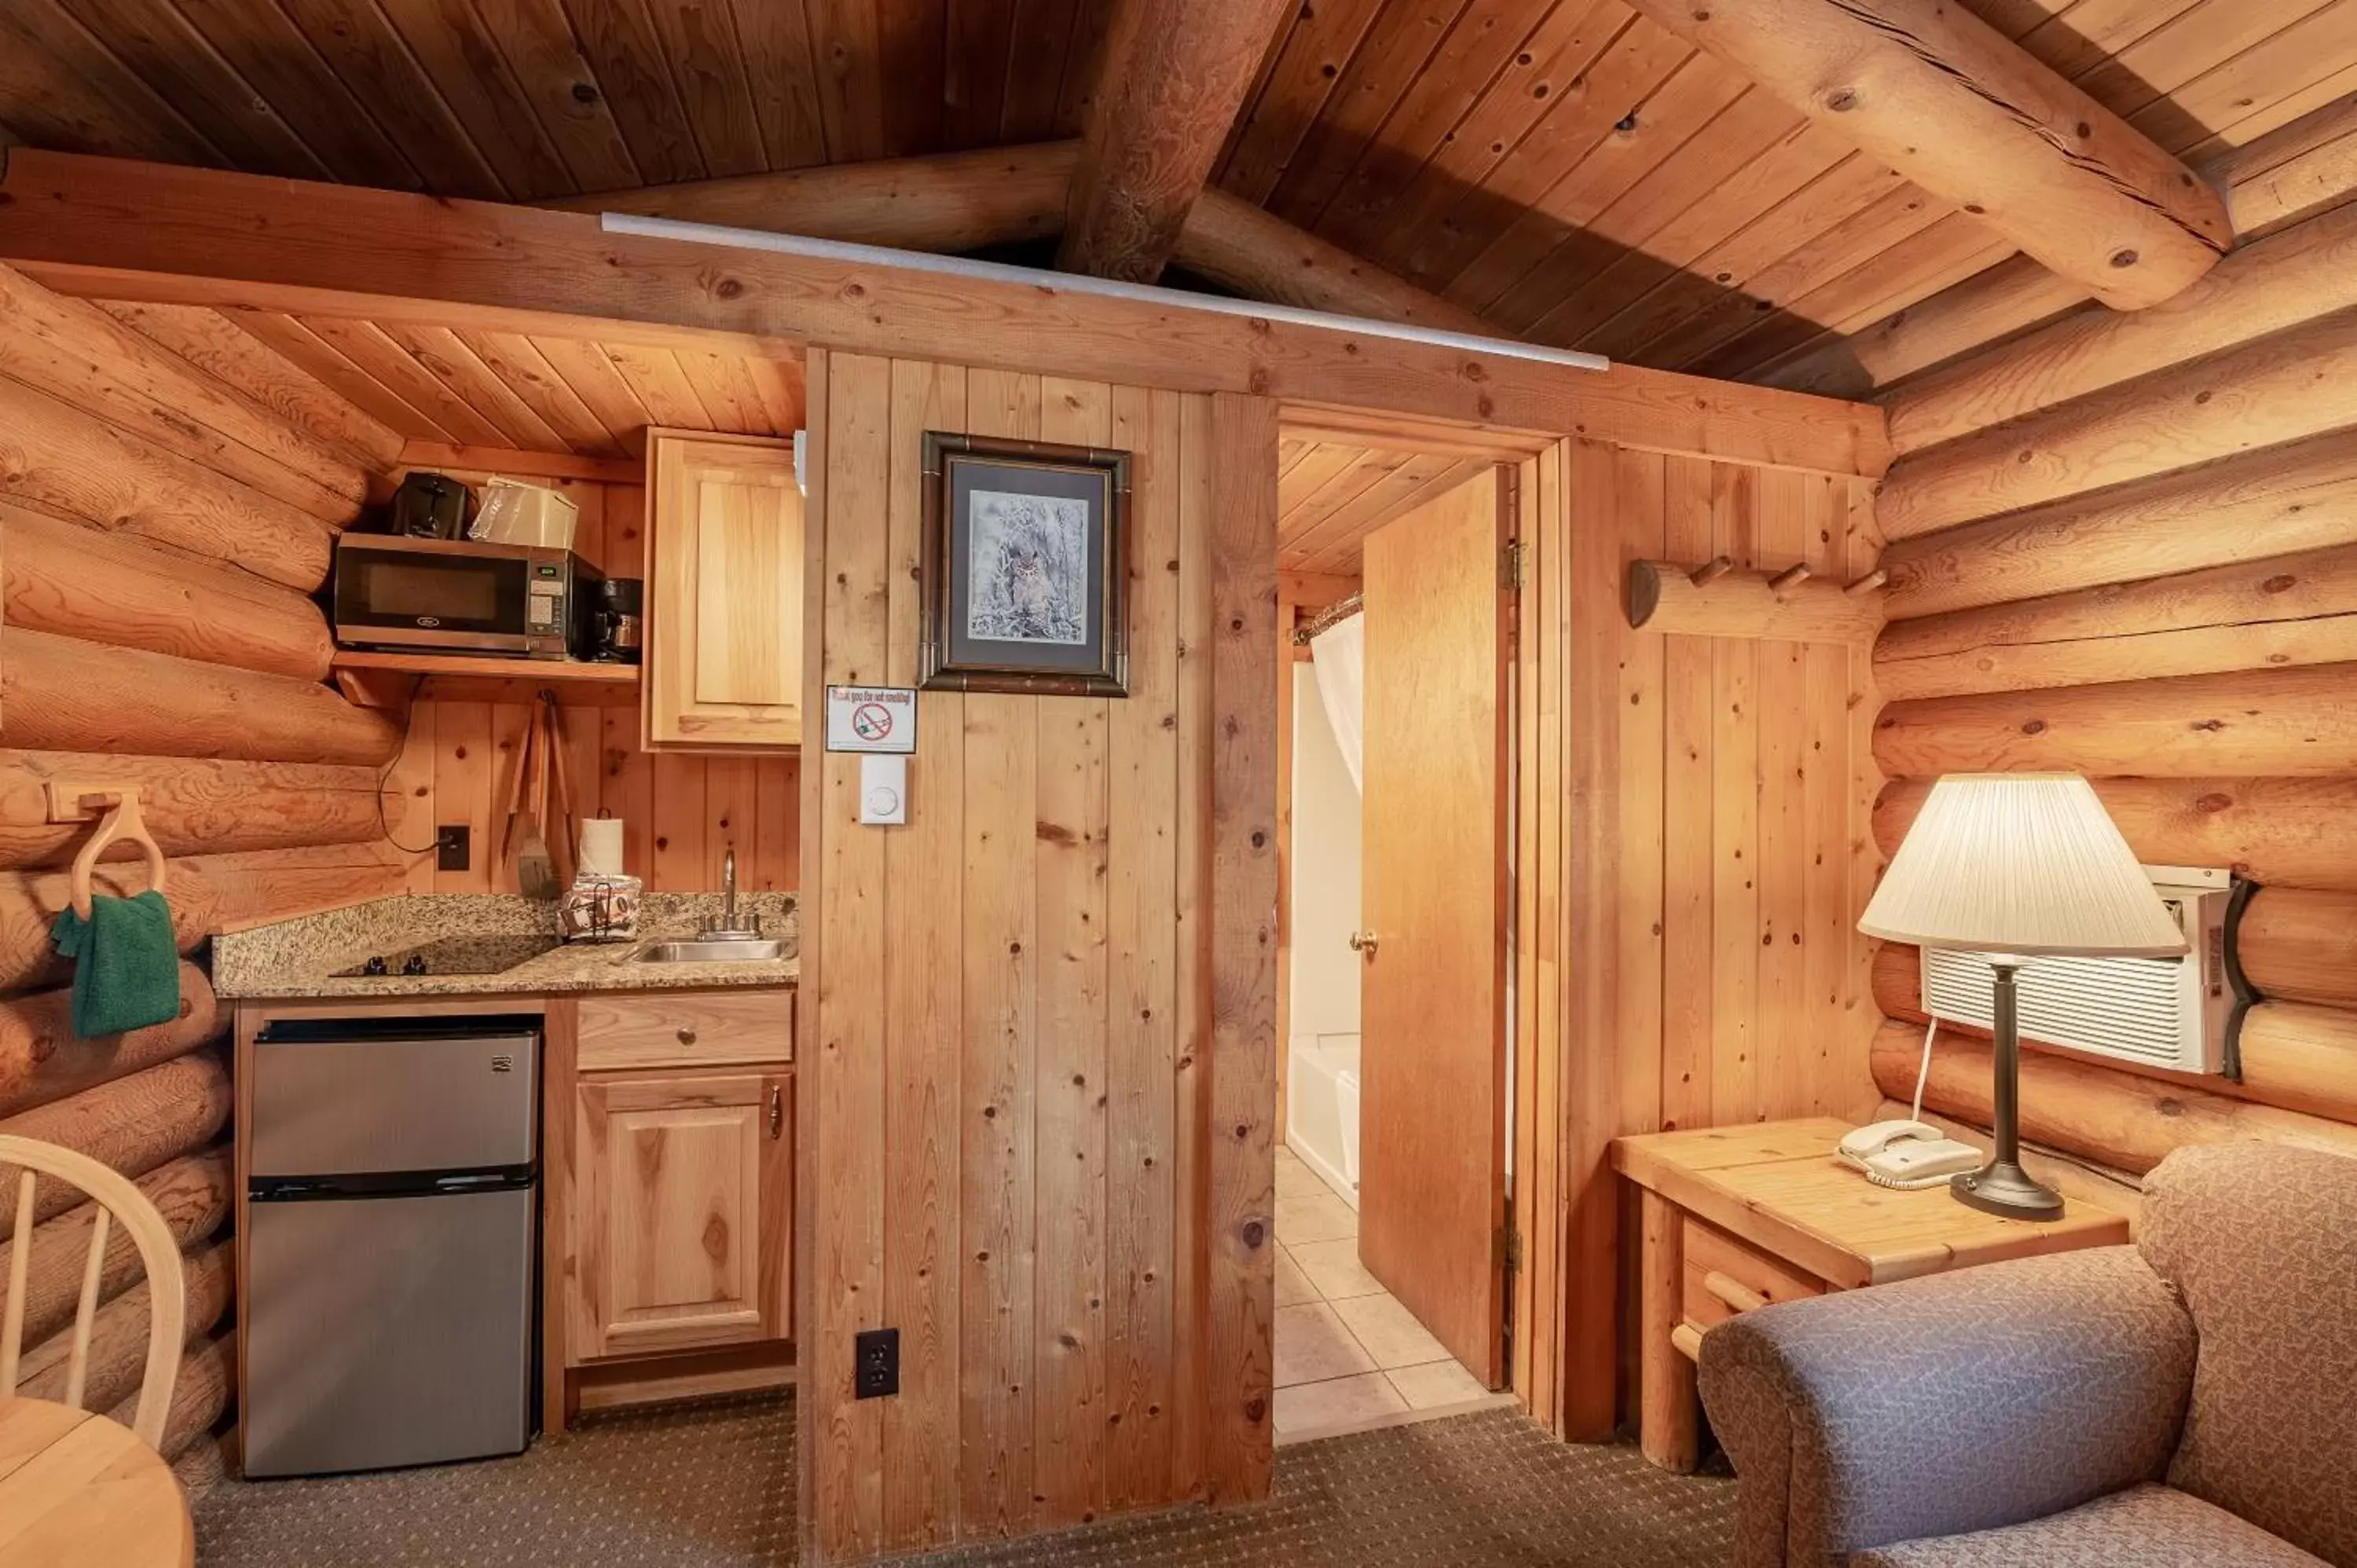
(457, 955)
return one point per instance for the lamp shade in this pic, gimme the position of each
(2020, 863)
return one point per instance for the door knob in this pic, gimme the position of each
(1364, 942)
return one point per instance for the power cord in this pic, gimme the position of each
(408, 715)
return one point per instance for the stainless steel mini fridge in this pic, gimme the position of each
(393, 1224)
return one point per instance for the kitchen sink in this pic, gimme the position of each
(728, 950)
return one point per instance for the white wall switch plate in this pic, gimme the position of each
(884, 790)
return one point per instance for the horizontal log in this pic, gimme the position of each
(945, 202)
(2126, 1120)
(2296, 1055)
(209, 893)
(2301, 943)
(212, 237)
(132, 1124)
(2293, 171)
(2284, 611)
(2077, 1180)
(118, 1337)
(1664, 597)
(192, 805)
(61, 459)
(60, 694)
(80, 582)
(1993, 304)
(2279, 389)
(2299, 723)
(42, 1059)
(201, 1396)
(84, 356)
(2286, 832)
(1965, 112)
(2278, 283)
(193, 1195)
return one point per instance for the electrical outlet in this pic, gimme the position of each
(875, 1364)
(453, 847)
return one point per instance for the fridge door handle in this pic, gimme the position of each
(777, 1109)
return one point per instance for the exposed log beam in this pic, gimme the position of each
(143, 231)
(950, 202)
(945, 202)
(2290, 174)
(1951, 103)
(1173, 76)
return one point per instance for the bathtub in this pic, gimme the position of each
(1321, 1110)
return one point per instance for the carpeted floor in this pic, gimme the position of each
(712, 1486)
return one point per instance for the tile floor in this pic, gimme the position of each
(1347, 1354)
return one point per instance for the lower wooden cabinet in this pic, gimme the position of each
(683, 1204)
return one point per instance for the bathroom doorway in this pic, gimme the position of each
(1392, 1173)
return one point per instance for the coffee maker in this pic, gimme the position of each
(617, 620)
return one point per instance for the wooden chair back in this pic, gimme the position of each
(159, 1255)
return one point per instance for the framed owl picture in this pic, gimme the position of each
(1026, 552)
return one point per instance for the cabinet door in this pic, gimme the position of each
(724, 595)
(683, 1202)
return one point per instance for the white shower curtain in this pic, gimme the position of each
(1338, 654)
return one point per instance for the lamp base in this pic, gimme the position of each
(2002, 1187)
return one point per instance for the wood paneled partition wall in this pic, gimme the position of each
(1694, 854)
(1038, 1087)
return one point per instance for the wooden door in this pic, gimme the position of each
(724, 595)
(1433, 835)
(682, 1201)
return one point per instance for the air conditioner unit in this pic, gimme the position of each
(2160, 1012)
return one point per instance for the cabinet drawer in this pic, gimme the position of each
(684, 1029)
(1725, 1276)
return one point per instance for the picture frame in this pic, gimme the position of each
(1024, 576)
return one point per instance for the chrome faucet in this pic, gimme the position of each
(727, 927)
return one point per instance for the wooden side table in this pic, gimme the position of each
(1736, 1217)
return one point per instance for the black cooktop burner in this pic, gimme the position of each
(457, 955)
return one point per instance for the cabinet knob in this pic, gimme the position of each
(687, 1034)
(777, 1109)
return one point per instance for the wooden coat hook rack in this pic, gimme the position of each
(80, 802)
(1720, 598)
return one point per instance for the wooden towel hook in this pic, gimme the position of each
(74, 802)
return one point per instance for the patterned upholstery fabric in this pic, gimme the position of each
(2261, 1240)
(1959, 1402)
(2143, 1527)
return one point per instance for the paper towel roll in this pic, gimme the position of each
(601, 846)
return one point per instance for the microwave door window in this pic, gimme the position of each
(456, 595)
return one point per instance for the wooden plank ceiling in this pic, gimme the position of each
(1564, 168)
(371, 387)
(1331, 495)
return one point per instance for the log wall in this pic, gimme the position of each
(2128, 547)
(160, 536)
(679, 811)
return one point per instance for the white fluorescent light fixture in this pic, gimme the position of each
(1106, 288)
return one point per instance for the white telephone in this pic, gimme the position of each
(1907, 1154)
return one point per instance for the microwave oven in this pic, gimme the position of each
(463, 596)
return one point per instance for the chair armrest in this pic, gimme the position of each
(1936, 1406)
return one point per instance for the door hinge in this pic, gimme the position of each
(1510, 1244)
(1512, 562)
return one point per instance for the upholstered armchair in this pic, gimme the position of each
(2189, 1399)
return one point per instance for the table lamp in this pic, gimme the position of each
(2018, 867)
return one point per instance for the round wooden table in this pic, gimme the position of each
(78, 1491)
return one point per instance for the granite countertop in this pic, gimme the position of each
(300, 957)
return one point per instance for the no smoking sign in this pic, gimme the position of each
(871, 719)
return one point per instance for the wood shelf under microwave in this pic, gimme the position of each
(374, 679)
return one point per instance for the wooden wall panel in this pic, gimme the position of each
(1012, 1013)
(1688, 952)
(680, 811)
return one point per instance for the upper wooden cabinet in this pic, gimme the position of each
(724, 594)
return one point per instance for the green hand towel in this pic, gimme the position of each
(126, 965)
